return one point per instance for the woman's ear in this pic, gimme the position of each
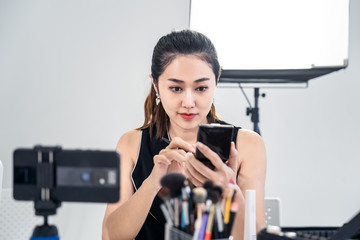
(154, 84)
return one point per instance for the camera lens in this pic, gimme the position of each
(102, 181)
(85, 176)
(98, 177)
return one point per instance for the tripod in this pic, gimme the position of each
(254, 111)
(45, 231)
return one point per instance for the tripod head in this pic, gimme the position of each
(44, 204)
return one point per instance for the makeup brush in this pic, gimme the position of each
(174, 182)
(185, 207)
(164, 194)
(166, 214)
(208, 185)
(218, 228)
(205, 218)
(232, 185)
(200, 195)
(233, 209)
(229, 192)
(214, 197)
(210, 223)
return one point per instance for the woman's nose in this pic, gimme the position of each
(188, 99)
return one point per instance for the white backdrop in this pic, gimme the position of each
(75, 73)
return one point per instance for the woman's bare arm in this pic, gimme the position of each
(124, 219)
(251, 175)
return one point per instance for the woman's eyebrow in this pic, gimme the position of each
(196, 81)
(202, 79)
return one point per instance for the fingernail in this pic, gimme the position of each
(199, 144)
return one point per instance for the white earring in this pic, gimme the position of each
(157, 100)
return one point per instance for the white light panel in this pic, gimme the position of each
(274, 34)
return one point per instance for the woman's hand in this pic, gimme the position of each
(198, 173)
(171, 159)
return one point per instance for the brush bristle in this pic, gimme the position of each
(213, 196)
(234, 207)
(218, 189)
(164, 193)
(208, 184)
(229, 192)
(232, 186)
(200, 194)
(174, 182)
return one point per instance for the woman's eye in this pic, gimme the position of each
(175, 89)
(201, 89)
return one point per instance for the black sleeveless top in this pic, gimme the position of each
(154, 225)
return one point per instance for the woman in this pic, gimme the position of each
(184, 73)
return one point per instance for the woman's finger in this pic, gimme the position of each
(211, 155)
(192, 170)
(233, 161)
(161, 160)
(174, 154)
(180, 143)
(193, 180)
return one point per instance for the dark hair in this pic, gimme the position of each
(185, 42)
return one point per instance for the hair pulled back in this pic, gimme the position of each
(185, 42)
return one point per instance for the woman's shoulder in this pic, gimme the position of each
(129, 140)
(128, 146)
(249, 138)
(248, 135)
(250, 144)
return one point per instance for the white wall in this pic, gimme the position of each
(75, 73)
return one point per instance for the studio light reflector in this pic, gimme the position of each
(275, 34)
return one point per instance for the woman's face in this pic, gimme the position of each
(186, 89)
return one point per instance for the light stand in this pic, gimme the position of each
(253, 112)
(272, 76)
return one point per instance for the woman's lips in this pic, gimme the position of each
(187, 116)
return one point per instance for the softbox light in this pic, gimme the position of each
(275, 40)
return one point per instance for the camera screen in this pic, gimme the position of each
(25, 175)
